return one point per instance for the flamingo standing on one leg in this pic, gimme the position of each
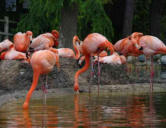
(151, 45)
(5, 45)
(45, 41)
(42, 62)
(93, 44)
(22, 41)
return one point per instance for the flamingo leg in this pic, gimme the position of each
(86, 66)
(99, 72)
(92, 72)
(44, 89)
(151, 74)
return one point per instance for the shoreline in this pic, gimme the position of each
(123, 89)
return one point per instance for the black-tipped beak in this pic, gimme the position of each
(31, 49)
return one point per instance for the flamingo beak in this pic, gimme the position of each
(30, 38)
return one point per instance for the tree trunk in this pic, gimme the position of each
(157, 7)
(128, 18)
(68, 27)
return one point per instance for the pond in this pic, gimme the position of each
(88, 110)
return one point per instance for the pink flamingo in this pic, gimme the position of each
(45, 41)
(93, 44)
(5, 45)
(151, 46)
(22, 41)
(67, 53)
(113, 59)
(42, 62)
(12, 54)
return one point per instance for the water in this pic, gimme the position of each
(84, 111)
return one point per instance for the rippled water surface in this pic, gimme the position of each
(83, 111)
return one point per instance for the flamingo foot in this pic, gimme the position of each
(77, 92)
(25, 105)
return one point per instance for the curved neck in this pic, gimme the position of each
(110, 47)
(77, 52)
(86, 66)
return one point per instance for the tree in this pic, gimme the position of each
(128, 18)
(157, 7)
(68, 16)
(68, 24)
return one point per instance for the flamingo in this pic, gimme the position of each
(94, 43)
(128, 48)
(22, 41)
(67, 53)
(151, 46)
(42, 62)
(12, 54)
(45, 41)
(113, 59)
(4, 45)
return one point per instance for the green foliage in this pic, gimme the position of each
(141, 21)
(45, 15)
(163, 26)
(92, 18)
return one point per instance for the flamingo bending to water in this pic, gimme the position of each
(42, 62)
(93, 44)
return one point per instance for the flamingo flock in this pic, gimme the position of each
(42, 52)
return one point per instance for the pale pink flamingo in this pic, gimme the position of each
(45, 41)
(5, 44)
(67, 53)
(12, 54)
(114, 59)
(93, 44)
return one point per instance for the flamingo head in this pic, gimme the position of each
(109, 47)
(134, 37)
(76, 87)
(76, 40)
(29, 34)
(55, 33)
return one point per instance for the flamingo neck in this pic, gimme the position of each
(3, 54)
(77, 52)
(86, 66)
(36, 75)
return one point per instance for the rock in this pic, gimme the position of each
(141, 58)
(163, 60)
